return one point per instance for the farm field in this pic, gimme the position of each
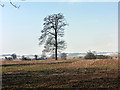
(60, 74)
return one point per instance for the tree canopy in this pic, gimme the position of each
(53, 30)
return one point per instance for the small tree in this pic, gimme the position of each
(36, 57)
(14, 56)
(63, 56)
(24, 58)
(90, 55)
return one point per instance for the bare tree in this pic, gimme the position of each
(52, 32)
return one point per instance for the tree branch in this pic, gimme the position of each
(51, 33)
(2, 5)
(14, 5)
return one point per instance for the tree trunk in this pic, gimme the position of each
(55, 45)
(56, 24)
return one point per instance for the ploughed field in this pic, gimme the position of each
(60, 74)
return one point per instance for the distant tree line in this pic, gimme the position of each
(35, 58)
(91, 55)
(13, 57)
(63, 56)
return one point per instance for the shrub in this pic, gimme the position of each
(101, 57)
(90, 55)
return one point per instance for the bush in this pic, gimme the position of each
(90, 55)
(101, 57)
(25, 58)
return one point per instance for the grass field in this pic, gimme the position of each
(60, 74)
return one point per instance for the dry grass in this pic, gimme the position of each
(60, 74)
(95, 63)
(33, 61)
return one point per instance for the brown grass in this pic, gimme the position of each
(60, 74)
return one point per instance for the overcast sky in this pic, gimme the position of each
(92, 26)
